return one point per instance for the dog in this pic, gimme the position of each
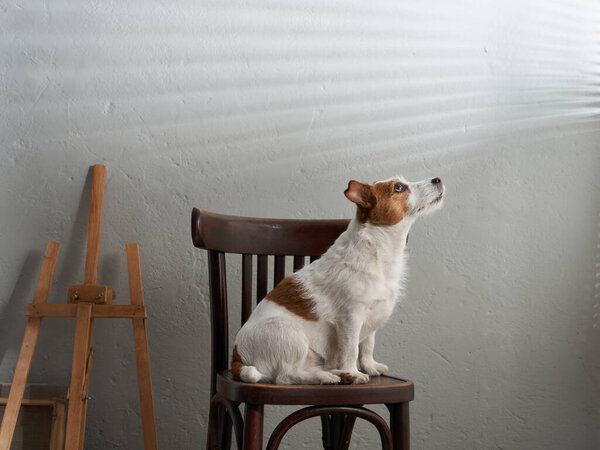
(317, 324)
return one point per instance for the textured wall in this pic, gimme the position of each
(268, 109)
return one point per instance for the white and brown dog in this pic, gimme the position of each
(316, 324)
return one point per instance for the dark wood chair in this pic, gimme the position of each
(338, 406)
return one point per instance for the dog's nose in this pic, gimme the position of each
(436, 181)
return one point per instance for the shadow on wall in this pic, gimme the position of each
(593, 353)
(13, 312)
(65, 274)
(375, 81)
(73, 253)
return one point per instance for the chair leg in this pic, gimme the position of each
(212, 434)
(224, 429)
(399, 425)
(326, 432)
(253, 427)
(337, 431)
(219, 428)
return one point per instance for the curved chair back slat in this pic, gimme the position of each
(233, 234)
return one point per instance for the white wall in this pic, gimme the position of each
(267, 109)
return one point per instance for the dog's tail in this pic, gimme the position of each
(241, 371)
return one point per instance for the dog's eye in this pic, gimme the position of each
(399, 187)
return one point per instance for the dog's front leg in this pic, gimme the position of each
(348, 336)
(365, 357)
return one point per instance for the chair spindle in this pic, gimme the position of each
(279, 273)
(246, 287)
(261, 274)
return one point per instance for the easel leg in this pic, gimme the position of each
(19, 381)
(77, 402)
(142, 355)
(32, 332)
(144, 383)
(86, 384)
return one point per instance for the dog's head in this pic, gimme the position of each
(389, 202)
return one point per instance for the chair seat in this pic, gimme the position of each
(382, 389)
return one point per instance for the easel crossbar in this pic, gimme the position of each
(98, 311)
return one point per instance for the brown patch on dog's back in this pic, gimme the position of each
(288, 294)
(379, 204)
(236, 363)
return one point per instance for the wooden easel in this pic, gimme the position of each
(85, 302)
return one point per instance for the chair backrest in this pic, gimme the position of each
(248, 236)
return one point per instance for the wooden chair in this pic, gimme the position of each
(338, 406)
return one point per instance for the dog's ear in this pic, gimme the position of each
(360, 194)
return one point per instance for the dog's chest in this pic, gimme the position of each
(382, 285)
(384, 292)
(377, 314)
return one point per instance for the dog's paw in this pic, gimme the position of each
(352, 377)
(374, 368)
(329, 378)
